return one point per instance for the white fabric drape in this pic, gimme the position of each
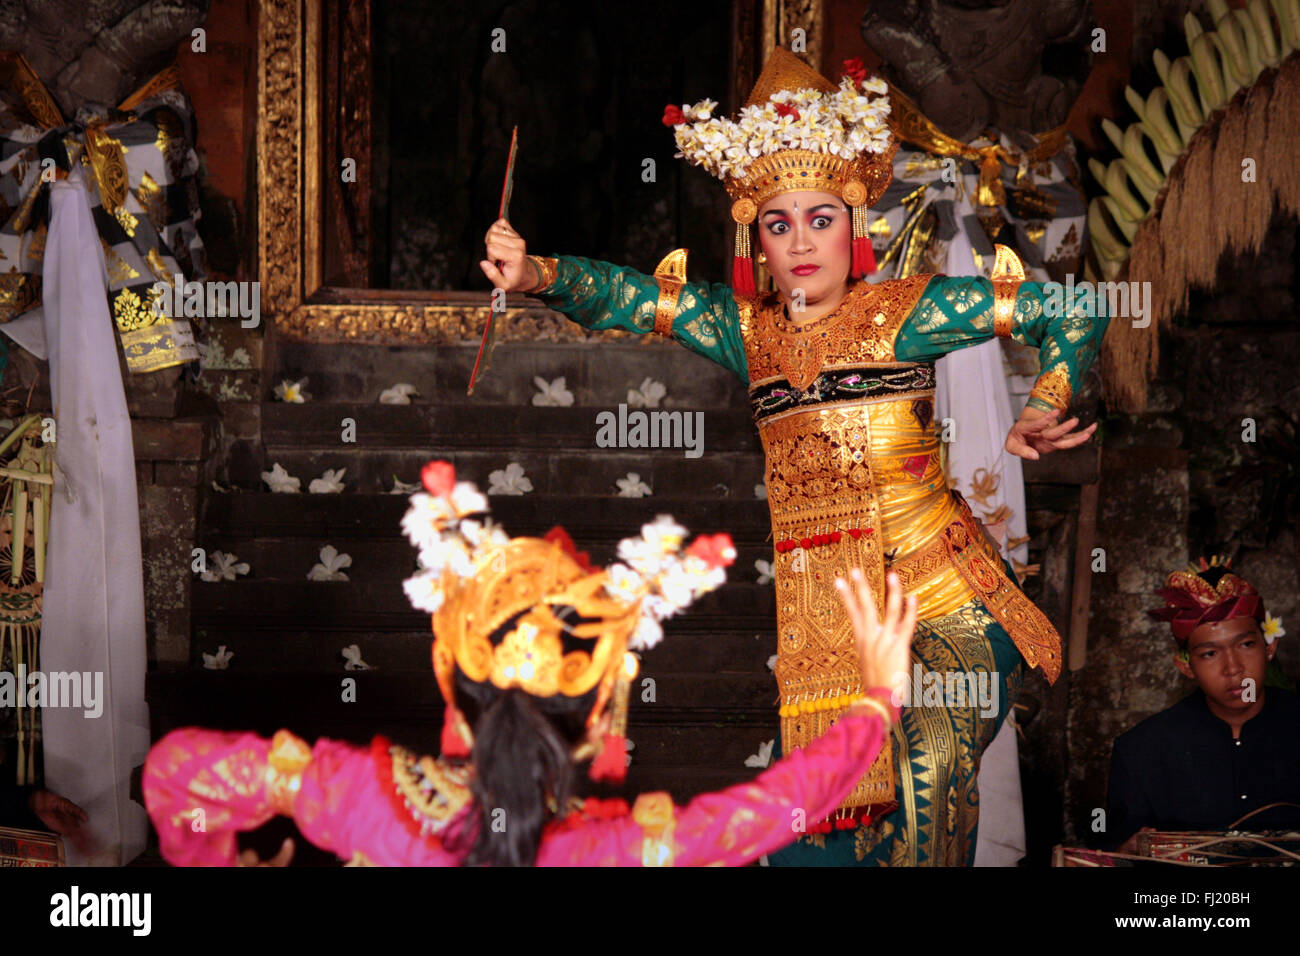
(972, 390)
(94, 589)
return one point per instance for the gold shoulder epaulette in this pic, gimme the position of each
(671, 276)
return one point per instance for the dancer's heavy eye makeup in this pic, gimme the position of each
(777, 221)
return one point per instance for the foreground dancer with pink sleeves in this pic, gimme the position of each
(534, 651)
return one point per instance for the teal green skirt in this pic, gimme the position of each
(937, 747)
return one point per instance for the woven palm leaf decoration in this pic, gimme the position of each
(26, 486)
(1203, 170)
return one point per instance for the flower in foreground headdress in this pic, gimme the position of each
(568, 628)
(655, 577)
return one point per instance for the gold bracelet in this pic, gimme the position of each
(546, 270)
(875, 705)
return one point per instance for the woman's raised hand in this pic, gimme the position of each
(507, 266)
(1038, 433)
(882, 647)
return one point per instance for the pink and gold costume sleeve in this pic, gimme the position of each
(735, 826)
(201, 787)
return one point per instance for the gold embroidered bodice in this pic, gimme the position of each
(855, 479)
(843, 422)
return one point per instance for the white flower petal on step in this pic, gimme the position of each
(224, 567)
(404, 488)
(352, 654)
(218, 561)
(649, 395)
(552, 394)
(288, 391)
(632, 486)
(219, 661)
(329, 483)
(330, 566)
(509, 481)
(760, 491)
(399, 394)
(280, 480)
(763, 757)
(771, 663)
(764, 569)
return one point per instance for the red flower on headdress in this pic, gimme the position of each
(715, 550)
(673, 115)
(784, 109)
(439, 478)
(559, 535)
(855, 69)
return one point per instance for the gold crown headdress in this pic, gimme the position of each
(475, 579)
(797, 131)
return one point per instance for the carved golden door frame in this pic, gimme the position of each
(293, 132)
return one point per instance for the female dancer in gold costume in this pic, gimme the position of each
(841, 380)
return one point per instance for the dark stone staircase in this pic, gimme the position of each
(713, 702)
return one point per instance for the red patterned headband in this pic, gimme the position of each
(1206, 595)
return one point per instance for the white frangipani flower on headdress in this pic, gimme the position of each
(424, 591)
(845, 123)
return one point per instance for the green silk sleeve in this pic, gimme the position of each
(957, 311)
(599, 295)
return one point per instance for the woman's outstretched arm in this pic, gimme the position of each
(598, 295)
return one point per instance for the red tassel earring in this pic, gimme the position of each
(743, 212)
(863, 256)
(453, 744)
(611, 765)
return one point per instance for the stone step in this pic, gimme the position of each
(272, 606)
(580, 474)
(597, 374)
(391, 560)
(319, 650)
(476, 427)
(594, 524)
(681, 700)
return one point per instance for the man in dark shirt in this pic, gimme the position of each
(1229, 747)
